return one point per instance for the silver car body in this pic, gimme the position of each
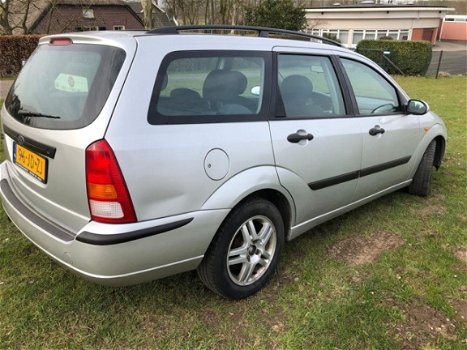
(185, 179)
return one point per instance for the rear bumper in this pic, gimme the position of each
(118, 254)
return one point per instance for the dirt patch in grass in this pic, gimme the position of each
(359, 250)
(462, 254)
(460, 306)
(423, 325)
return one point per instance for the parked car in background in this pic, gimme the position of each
(133, 156)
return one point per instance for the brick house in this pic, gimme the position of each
(77, 15)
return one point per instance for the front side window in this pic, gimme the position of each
(64, 87)
(373, 93)
(198, 87)
(308, 87)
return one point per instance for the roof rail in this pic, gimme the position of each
(262, 31)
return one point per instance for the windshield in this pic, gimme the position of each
(64, 87)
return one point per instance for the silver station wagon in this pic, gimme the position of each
(134, 156)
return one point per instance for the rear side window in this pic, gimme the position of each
(309, 87)
(201, 86)
(64, 87)
(374, 94)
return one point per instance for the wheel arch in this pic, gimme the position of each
(261, 182)
(439, 151)
(279, 201)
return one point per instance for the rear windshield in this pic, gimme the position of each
(64, 87)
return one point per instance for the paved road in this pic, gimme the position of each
(454, 59)
(453, 62)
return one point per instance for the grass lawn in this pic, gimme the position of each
(389, 275)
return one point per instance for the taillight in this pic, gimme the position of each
(60, 41)
(109, 200)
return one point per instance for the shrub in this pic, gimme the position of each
(15, 49)
(282, 14)
(412, 57)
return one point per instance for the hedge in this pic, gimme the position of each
(13, 50)
(412, 57)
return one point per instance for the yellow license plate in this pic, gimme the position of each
(33, 163)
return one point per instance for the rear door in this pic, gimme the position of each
(317, 145)
(187, 122)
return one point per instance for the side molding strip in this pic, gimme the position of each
(320, 184)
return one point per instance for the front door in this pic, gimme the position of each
(389, 136)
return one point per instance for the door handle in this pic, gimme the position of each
(376, 130)
(296, 137)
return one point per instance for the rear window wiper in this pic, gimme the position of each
(24, 113)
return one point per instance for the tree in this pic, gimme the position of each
(147, 12)
(15, 15)
(277, 14)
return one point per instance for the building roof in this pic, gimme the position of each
(160, 16)
(135, 8)
(378, 7)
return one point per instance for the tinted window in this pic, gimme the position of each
(64, 87)
(374, 94)
(197, 87)
(309, 87)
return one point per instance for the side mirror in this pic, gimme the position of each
(417, 107)
(255, 90)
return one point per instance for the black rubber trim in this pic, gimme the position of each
(346, 86)
(384, 166)
(45, 150)
(58, 232)
(317, 185)
(320, 184)
(99, 239)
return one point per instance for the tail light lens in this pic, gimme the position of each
(109, 200)
(60, 41)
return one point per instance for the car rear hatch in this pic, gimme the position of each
(61, 102)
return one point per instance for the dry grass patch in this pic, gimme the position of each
(436, 208)
(359, 250)
(462, 254)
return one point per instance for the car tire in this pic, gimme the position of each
(245, 251)
(420, 185)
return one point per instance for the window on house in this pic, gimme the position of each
(393, 34)
(404, 35)
(371, 34)
(86, 28)
(357, 36)
(88, 13)
(381, 33)
(343, 36)
(119, 27)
